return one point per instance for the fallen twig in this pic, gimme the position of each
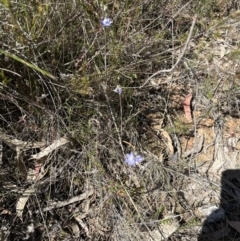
(70, 201)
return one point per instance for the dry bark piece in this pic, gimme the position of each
(187, 107)
(198, 145)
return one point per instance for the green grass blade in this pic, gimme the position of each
(32, 66)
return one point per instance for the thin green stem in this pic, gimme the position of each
(104, 86)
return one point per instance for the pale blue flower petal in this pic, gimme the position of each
(139, 158)
(118, 90)
(132, 159)
(106, 22)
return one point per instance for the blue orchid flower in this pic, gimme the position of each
(106, 22)
(132, 159)
(118, 90)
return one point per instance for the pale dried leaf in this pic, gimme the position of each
(5, 212)
(23, 200)
(56, 144)
(15, 143)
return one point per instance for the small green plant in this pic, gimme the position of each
(159, 212)
(179, 127)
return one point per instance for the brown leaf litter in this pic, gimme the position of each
(220, 148)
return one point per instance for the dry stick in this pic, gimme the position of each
(81, 197)
(180, 57)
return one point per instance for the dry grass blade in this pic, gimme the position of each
(13, 56)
